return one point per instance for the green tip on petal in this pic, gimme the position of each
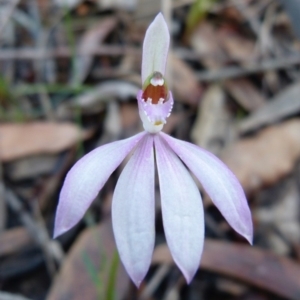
(155, 48)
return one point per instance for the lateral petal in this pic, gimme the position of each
(219, 182)
(86, 178)
(133, 211)
(182, 209)
(155, 47)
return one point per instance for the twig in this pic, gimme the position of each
(155, 282)
(46, 104)
(114, 50)
(9, 296)
(253, 22)
(179, 3)
(111, 50)
(38, 232)
(264, 65)
(166, 8)
(2, 202)
(34, 54)
(8, 13)
(40, 43)
(174, 287)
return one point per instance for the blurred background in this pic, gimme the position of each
(69, 74)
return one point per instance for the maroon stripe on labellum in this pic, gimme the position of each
(155, 93)
(156, 90)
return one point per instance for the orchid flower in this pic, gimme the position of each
(133, 204)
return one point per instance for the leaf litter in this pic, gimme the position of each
(245, 109)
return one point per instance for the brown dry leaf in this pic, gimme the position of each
(130, 118)
(75, 281)
(242, 90)
(185, 85)
(89, 42)
(232, 13)
(252, 265)
(175, 120)
(284, 104)
(212, 124)
(20, 140)
(282, 213)
(31, 167)
(14, 240)
(237, 47)
(50, 185)
(296, 249)
(205, 43)
(95, 99)
(217, 46)
(245, 93)
(265, 158)
(231, 287)
(112, 122)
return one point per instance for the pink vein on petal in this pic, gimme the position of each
(86, 178)
(133, 211)
(182, 209)
(219, 182)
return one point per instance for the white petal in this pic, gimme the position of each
(219, 182)
(155, 47)
(133, 211)
(86, 178)
(182, 210)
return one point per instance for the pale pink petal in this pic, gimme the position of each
(219, 182)
(182, 209)
(133, 211)
(155, 47)
(86, 178)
